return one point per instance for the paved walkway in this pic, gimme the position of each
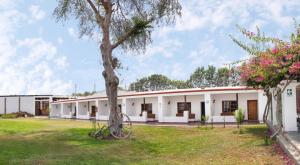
(290, 142)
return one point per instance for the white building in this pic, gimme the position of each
(290, 108)
(37, 105)
(170, 106)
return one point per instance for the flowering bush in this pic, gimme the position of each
(267, 68)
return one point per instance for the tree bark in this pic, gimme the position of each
(267, 107)
(110, 77)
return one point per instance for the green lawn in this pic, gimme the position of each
(42, 141)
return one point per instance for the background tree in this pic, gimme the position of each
(157, 82)
(86, 93)
(210, 76)
(180, 84)
(234, 78)
(197, 79)
(117, 23)
(222, 77)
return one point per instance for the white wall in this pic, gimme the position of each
(1, 105)
(242, 103)
(217, 105)
(136, 109)
(171, 109)
(67, 110)
(262, 102)
(243, 99)
(28, 105)
(82, 108)
(104, 110)
(55, 110)
(12, 104)
(289, 108)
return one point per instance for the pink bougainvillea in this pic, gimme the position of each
(289, 56)
(275, 50)
(295, 68)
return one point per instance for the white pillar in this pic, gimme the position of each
(77, 108)
(289, 108)
(124, 110)
(97, 108)
(208, 103)
(160, 109)
(61, 109)
(262, 101)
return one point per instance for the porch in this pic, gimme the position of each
(142, 109)
(55, 110)
(182, 109)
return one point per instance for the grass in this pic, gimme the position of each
(42, 141)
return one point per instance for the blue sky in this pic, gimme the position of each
(40, 56)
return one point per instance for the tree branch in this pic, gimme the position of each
(128, 34)
(99, 18)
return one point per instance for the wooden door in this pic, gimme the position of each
(298, 99)
(93, 114)
(252, 110)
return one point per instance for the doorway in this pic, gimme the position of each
(202, 109)
(94, 109)
(252, 110)
(298, 98)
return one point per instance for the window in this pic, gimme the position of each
(228, 107)
(182, 106)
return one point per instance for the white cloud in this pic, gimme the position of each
(36, 12)
(213, 14)
(28, 66)
(73, 33)
(165, 48)
(207, 54)
(60, 41)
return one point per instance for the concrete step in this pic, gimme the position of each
(290, 149)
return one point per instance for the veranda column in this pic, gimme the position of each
(77, 108)
(124, 110)
(262, 101)
(208, 109)
(97, 108)
(160, 109)
(61, 109)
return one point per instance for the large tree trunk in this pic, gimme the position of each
(111, 84)
(111, 79)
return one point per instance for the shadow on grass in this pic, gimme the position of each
(257, 130)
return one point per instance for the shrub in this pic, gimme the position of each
(9, 116)
(239, 116)
(15, 115)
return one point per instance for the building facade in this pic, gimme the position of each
(290, 98)
(37, 105)
(170, 106)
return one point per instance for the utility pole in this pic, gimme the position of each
(75, 89)
(94, 88)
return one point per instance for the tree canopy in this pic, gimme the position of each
(130, 23)
(200, 78)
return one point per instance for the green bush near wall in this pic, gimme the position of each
(15, 115)
(9, 116)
